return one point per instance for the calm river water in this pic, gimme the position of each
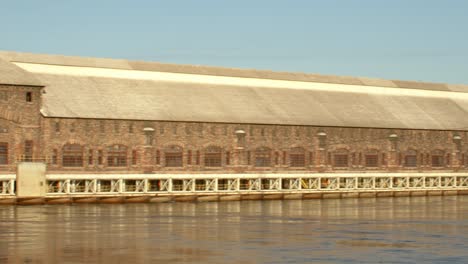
(384, 230)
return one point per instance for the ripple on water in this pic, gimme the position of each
(390, 230)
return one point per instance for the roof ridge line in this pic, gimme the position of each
(153, 66)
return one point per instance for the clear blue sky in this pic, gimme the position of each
(394, 39)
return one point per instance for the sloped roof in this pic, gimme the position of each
(219, 71)
(97, 97)
(119, 89)
(14, 75)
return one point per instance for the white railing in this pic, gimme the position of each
(107, 184)
(7, 184)
(77, 184)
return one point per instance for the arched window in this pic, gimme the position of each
(3, 153)
(437, 158)
(72, 155)
(263, 157)
(341, 158)
(117, 156)
(213, 156)
(173, 156)
(297, 157)
(411, 159)
(372, 158)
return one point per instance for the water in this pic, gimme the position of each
(384, 230)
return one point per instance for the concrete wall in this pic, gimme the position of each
(31, 179)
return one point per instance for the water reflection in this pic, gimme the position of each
(431, 229)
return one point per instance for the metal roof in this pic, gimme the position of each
(119, 89)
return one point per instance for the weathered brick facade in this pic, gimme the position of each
(20, 123)
(244, 147)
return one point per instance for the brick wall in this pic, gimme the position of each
(194, 138)
(365, 149)
(20, 121)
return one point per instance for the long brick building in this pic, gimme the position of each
(88, 115)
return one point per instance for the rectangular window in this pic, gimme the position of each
(54, 157)
(134, 157)
(130, 128)
(228, 158)
(284, 157)
(311, 158)
(277, 158)
(57, 127)
(3, 153)
(28, 97)
(28, 150)
(213, 159)
(340, 160)
(116, 127)
(90, 157)
(262, 158)
(372, 160)
(437, 161)
(72, 155)
(117, 156)
(197, 160)
(100, 157)
(248, 157)
(158, 157)
(173, 159)
(87, 126)
(297, 160)
(189, 157)
(410, 161)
